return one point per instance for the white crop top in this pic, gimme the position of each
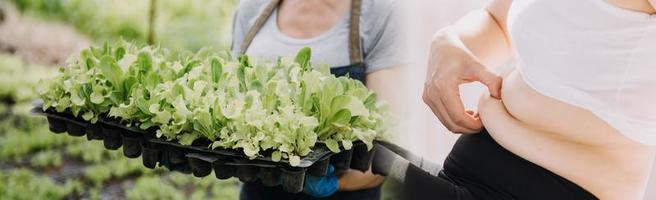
(593, 55)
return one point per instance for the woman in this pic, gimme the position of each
(357, 37)
(574, 120)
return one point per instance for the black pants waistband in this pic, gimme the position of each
(479, 168)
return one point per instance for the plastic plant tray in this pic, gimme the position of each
(200, 160)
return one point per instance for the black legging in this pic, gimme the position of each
(479, 168)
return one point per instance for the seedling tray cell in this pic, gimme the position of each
(56, 125)
(223, 171)
(94, 132)
(112, 138)
(320, 168)
(131, 146)
(362, 157)
(293, 179)
(342, 160)
(200, 164)
(270, 176)
(75, 129)
(151, 157)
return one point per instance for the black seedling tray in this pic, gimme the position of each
(200, 160)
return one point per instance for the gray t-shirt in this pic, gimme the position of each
(380, 31)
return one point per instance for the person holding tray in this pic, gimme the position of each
(574, 120)
(359, 38)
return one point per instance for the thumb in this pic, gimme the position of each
(492, 80)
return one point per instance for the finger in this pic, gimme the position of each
(432, 98)
(473, 113)
(456, 110)
(438, 108)
(492, 81)
(464, 129)
(435, 106)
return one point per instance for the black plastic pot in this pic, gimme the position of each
(319, 168)
(151, 154)
(94, 132)
(342, 160)
(270, 176)
(293, 179)
(362, 158)
(175, 160)
(223, 171)
(112, 138)
(131, 146)
(56, 125)
(247, 173)
(75, 129)
(200, 165)
(176, 155)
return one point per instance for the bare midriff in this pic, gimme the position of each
(567, 140)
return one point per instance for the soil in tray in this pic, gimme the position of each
(362, 157)
(56, 125)
(293, 179)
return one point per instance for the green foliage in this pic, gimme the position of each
(45, 159)
(92, 152)
(18, 79)
(23, 184)
(152, 188)
(175, 185)
(19, 141)
(180, 24)
(119, 168)
(286, 106)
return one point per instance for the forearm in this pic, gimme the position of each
(353, 180)
(389, 84)
(483, 34)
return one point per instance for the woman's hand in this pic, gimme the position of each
(353, 180)
(451, 64)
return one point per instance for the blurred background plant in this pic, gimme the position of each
(178, 24)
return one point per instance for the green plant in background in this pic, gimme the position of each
(208, 21)
(117, 168)
(284, 106)
(175, 185)
(153, 188)
(18, 79)
(92, 152)
(23, 184)
(45, 159)
(17, 142)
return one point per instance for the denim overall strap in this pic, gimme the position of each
(259, 23)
